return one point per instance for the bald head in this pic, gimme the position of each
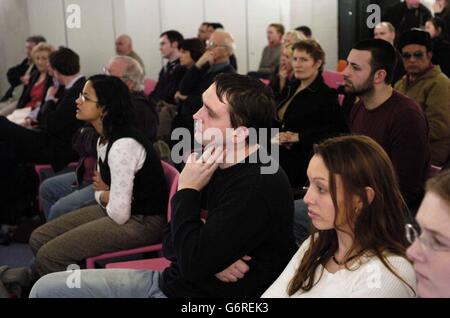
(385, 31)
(124, 44)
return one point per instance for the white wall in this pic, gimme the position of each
(144, 20)
(94, 41)
(46, 17)
(13, 21)
(322, 17)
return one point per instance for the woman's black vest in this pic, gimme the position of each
(150, 189)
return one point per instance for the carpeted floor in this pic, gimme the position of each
(15, 255)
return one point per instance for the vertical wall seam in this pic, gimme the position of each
(66, 36)
(204, 10)
(113, 10)
(160, 25)
(247, 36)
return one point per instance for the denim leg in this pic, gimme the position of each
(53, 189)
(302, 222)
(76, 200)
(99, 283)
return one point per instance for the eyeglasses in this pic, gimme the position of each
(211, 44)
(426, 242)
(84, 99)
(417, 55)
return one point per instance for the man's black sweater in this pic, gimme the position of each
(249, 213)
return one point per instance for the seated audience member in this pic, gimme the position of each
(130, 187)
(171, 74)
(309, 111)
(406, 15)
(51, 143)
(190, 51)
(386, 31)
(72, 191)
(204, 32)
(213, 26)
(305, 30)
(34, 93)
(249, 223)
(19, 75)
(124, 46)
(441, 10)
(441, 46)
(358, 217)
(200, 76)
(393, 120)
(144, 109)
(271, 53)
(284, 73)
(292, 37)
(430, 88)
(430, 249)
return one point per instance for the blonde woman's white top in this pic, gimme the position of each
(367, 278)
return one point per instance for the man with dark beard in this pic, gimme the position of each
(395, 121)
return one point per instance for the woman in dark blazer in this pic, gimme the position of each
(308, 113)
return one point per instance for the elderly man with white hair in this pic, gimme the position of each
(215, 60)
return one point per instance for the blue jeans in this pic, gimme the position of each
(99, 283)
(59, 196)
(302, 222)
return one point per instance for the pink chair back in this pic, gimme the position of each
(149, 86)
(172, 175)
(156, 264)
(333, 79)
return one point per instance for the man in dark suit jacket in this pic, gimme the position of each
(52, 142)
(407, 15)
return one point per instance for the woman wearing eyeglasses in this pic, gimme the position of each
(358, 246)
(430, 249)
(130, 187)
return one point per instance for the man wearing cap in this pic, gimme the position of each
(429, 87)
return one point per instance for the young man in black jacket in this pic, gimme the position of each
(250, 212)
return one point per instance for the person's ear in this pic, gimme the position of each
(380, 76)
(430, 55)
(370, 195)
(319, 64)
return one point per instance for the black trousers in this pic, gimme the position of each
(19, 147)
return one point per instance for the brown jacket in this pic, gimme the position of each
(432, 92)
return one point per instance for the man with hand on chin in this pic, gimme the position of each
(250, 213)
